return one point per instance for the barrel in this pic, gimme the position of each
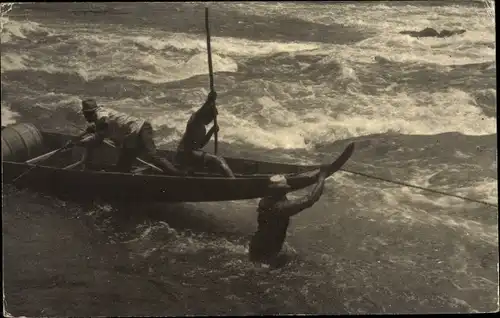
(21, 142)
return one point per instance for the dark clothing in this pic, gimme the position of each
(195, 158)
(144, 144)
(273, 221)
(266, 243)
(198, 158)
(189, 153)
(194, 136)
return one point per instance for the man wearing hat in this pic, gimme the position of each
(132, 134)
(274, 212)
(195, 137)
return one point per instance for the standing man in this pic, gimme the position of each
(196, 137)
(274, 213)
(133, 135)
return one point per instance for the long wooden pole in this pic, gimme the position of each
(211, 74)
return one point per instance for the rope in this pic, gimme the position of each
(421, 188)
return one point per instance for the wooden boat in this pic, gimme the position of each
(62, 174)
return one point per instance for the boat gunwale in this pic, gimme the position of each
(56, 139)
(165, 176)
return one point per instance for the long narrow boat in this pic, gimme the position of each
(61, 174)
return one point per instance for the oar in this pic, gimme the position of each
(211, 75)
(45, 157)
(50, 154)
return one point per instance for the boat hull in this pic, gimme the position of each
(147, 188)
(50, 177)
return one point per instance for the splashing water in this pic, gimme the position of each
(5, 8)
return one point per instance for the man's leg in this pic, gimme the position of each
(219, 163)
(279, 261)
(185, 161)
(126, 160)
(259, 252)
(146, 138)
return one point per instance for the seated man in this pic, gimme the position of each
(133, 135)
(274, 213)
(195, 137)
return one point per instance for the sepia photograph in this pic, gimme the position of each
(247, 158)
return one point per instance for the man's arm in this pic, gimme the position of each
(99, 131)
(89, 142)
(209, 103)
(293, 207)
(209, 135)
(101, 127)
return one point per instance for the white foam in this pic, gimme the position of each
(462, 155)
(486, 190)
(421, 113)
(404, 48)
(481, 190)
(12, 61)
(474, 46)
(272, 124)
(13, 29)
(167, 68)
(100, 55)
(399, 204)
(158, 66)
(296, 114)
(167, 71)
(161, 65)
(220, 45)
(8, 116)
(165, 237)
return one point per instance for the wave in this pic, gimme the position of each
(287, 95)
(451, 51)
(430, 167)
(13, 61)
(144, 67)
(220, 45)
(168, 57)
(324, 116)
(14, 30)
(476, 45)
(9, 117)
(138, 57)
(401, 197)
(274, 126)
(290, 115)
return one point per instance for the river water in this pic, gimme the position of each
(294, 81)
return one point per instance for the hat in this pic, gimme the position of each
(279, 182)
(89, 105)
